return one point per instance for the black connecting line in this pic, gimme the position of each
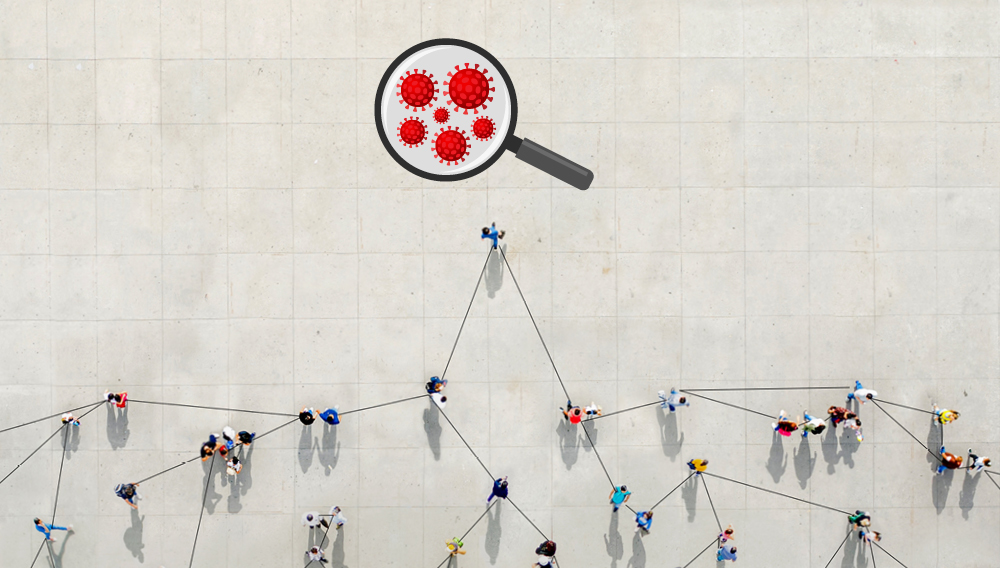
(53, 435)
(768, 416)
(776, 493)
(211, 408)
(871, 550)
(40, 547)
(764, 389)
(467, 310)
(671, 491)
(887, 552)
(383, 404)
(924, 446)
(490, 506)
(626, 410)
(705, 485)
(58, 485)
(540, 338)
(850, 533)
(703, 551)
(883, 401)
(56, 415)
(204, 498)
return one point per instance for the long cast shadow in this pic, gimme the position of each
(830, 446)
(569, 443)
(613, 542)
(777, 460)
(117, 426)
(211, 497)
(805, 462)
(432, 426)
(494, 273)
(670, 437)
(638, 559)
(689, 493)
(493, 532)
(967, 496)
(329, 448)
(306, 448)
(133, 537)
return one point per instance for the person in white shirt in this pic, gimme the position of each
(316, 554)
(311, 519)
(338, 518)
(861, 394)
(977, 463)
(672, 402)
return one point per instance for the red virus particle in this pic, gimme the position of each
(441, 115)
(416, 89)
(483, 128)
(412, 132)
(469, 88)
(451, 146)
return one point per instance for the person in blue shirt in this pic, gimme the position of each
(726, 552)
(435, 385)
(643, 520)
(499, 489)
(47, 529)
(330, 416)
(619, 496)
(127, 491)
(492, 233)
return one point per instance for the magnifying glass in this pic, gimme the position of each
(446, 111)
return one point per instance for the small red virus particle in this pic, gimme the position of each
(483, 128)
(416, 89)
(441, 115)
(469, 88)
(412, 132)
(451, 146)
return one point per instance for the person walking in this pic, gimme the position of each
(492, 234)
(307, 415)
(643, 520)
(499, 489)
(619, 496)
(592, 411)
(861, 394)
(436, 384)
(855, 424)
(330, 416)
(859, 519)
(977, 463)
(246, 438)
(672, 402)
(726, 535)
(698, 466)
(46, 529)
(336, 517)
(572, 413)
(233, 467)
(68, 418)
(812, 425)
(455, 546)
(839, 414)
(311, 519)
(945, 416)
(726, 552)
(229, 435)
(948, 461)
(118, 399)
(127, 491)
(316, 554)
(547, 548)
(869, 536)
(785, 425)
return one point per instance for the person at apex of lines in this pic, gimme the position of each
(839, 414)
(976, 463)
(785, 425)
(316, 554)
(330, 416)
(311, 519)
(618, 497)
(499, 489)
(455, 546)
(812, 425)
(547, 548)
(727, 535)
(246, 438)
(128, 493)
(572, 413)
(307, 415)
(726, 552)
(592, 411)
(68, 418)
(643, 520)
(672, 402)
(948, 461)
(699, 466)
(436, 384)
(869, 536)
(945, 416)
(118, 399)
(859, 519)
(492, 234)
(46, 529)
(861, 394)
(336, 517)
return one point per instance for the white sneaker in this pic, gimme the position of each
(70, 527)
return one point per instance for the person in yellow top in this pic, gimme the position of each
(455, 546)
(698, 465)
(945, 416)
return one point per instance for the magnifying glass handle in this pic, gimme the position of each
(550, 162)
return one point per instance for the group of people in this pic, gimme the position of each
(435, 388)
(313, 520)
(224, 444)
(861, 522)
(727, 550)
(308, 415)
(575, 414)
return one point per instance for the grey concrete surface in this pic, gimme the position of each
(195, 207)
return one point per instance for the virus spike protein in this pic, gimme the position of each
(441, 115)
(469, 88)
(451, 146)
(412, 132)
(483, 128)
(416, 89)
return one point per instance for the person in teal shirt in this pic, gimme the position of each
(619, 495)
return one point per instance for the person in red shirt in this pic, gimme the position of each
(572, 413)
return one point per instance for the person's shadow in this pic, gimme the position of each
(494, 272)
(306, 442)
(56, 559)
(569, 443)
(966, 497)
(133, 537)
(849, 445)
(805, 462)
(941, 484)
(590, 435)
(851, 552)
(613, 542)
(638, 559)
(329, 448)
(830, 446)
(211, 498)
(777, 460)
(493, 532)
(432, 426)
(689, 493)
(671, 439)
(117, 426)
(73, 442)
(337, 550)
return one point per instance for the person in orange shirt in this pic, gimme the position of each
(948, 461)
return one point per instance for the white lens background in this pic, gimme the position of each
(439, 60)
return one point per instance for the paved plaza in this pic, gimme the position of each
(196, 208)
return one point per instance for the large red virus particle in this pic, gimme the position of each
(469, 88)
(416, 89)
(483, 128)
(412, 132)
(451, 146)
(441, 115)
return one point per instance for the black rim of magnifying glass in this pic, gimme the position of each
(387, 76)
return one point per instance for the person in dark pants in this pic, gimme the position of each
(127, 491)
(499, 489)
